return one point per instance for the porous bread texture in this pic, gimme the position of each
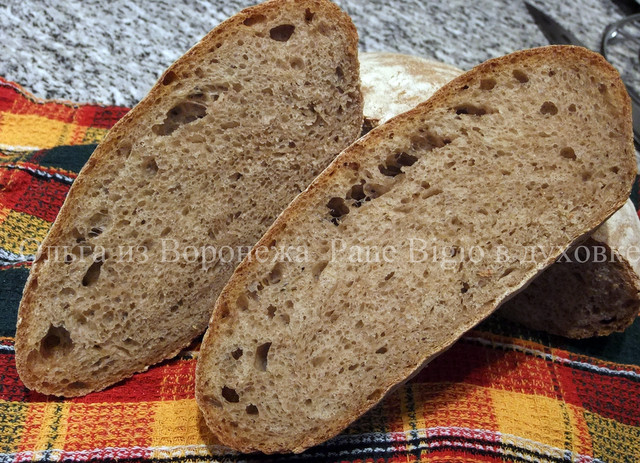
(593, 291)
(223, 142)
(534, 148)
(572, 298)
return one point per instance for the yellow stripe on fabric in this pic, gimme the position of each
(13, 415)
(21, 233)
(612, 440)
(532, 417)
(179, 423)
(34, 131)
(93, 135)
(53, 431)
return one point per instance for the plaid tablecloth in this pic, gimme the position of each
(501, 394)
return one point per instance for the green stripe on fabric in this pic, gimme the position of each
(12, 280)
(68, 157)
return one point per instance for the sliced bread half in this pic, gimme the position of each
(595, 289)
(187, 180)
(383, 269)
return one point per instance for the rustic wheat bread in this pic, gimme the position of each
(512, 154)
(572, 298)
(223, 142)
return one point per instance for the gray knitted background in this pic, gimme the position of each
(112, 51)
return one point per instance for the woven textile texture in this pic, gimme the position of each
(500, 394)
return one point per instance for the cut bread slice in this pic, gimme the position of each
(375, 268)
(574, 299)
(194, 174)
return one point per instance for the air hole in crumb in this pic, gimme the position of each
(307, 402)
(602, 88)
(271, 311)
(242, 303)
(375, 190)
(124, 149)
(252, 409)
(470, 109)
(150, 166)
(615, 169)
(337, 207)
(67, 291)
(255, 19)
(339, 72)
(318, 268)
(389, 276)
(394, 163)
(356, 192)
(78, 385)
(308, 15)
(261, 359)
(296, 63)
(275, 275)
(56, 340)
(181, 114)
(382, 350)
(487, 84)
(169, 78)
(230, 395)
(568, 153)
(465, 287)
(94, 232)
(359, 324)
(165, 232)
(236, 354)
(572, 108)
(520, 76)
(93, 273)
(282, 33)
(548, 108)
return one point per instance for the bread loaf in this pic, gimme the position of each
(594, 290)
(572, 298)
(336, 304)
(153, 226)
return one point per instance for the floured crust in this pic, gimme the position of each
(393, 83)
(225, 313)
